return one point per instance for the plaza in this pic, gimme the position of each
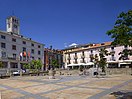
(64, 87)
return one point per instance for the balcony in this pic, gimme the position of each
(68, 58)
(82, 61)
(113, 59)
(112, 52)
(91, 55)
(68, 63)
(75, 62)
(3, 58)
(75, 57)
(83, 56)
(11, 58)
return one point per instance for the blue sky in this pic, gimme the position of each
(63, 22)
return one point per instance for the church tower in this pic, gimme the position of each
(13, 25)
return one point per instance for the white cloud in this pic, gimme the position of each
(73, 44)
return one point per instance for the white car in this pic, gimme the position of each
(18, 72)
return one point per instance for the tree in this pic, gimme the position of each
(37, 64)
(102, 62)
(124, 54)
(54, 63)
(122, 31)
(27, 66)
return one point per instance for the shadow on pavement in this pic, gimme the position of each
(122, 94)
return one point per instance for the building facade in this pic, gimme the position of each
(15, 49)
(79, 55)
(50, 55)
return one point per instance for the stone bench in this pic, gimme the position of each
(2, 76)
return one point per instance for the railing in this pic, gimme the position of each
(75, 57)
(82, 56)
(112, 52)
(82, 61)
(112, 59)
(68, 58)
(75, 62)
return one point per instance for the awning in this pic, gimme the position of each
(81, 64)
(124, 63)
(127, 60)
(89, 63)
(112, 61)
(72, 65)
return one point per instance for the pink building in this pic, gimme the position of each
(80, 55)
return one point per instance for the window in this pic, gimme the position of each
(32, 44)
(39, 52)
(82, 52)
(102, 44)
(15, 26)
(8, 25)
(3, 54)
(38, 46)
(3, 45)
(13, 39)
(112, 48)
(125, 46)
(13, 47)
(14, 56)
(113, 58)
(24, 48)
(3, 37)
(39, 58)
(91, 51)
(32, 58)
(32, 51)
(24, 42)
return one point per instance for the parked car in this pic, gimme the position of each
(17, 72)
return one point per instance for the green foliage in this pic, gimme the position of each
(54, 63)
(124, 54)
(96, 59)
(102, 62)
(92, 57)
(27, 66)
(122, 31)
(37, 64)
(1, 65)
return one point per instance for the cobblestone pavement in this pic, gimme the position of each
(64, 87)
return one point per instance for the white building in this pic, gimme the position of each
(80, 55)
(16, 49)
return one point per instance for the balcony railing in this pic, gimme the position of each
(75, 57)
(68, 63)
(75, 62)
(83, 56)
(113, 59)
(112, 52)
(82, 61)
(68, 58)
(3, 57)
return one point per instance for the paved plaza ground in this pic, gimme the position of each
(64, 87)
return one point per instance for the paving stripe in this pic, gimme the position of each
(99, 95)
(24, 92)
(67, 87)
